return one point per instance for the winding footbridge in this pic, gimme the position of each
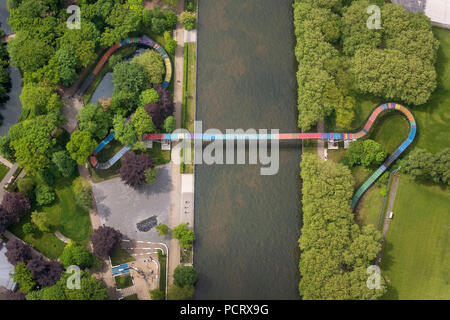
(147, 42)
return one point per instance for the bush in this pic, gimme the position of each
(26, 186)
(184, 276)
(147, 96)
(75, 254)
(22, 276)
(170, 124)
(157, 294)
(29, 228)
(44, 195)
(153, 65)
(151, 175)
(162, 229)
(65, 164)
(41, 220)
(184, 235)
(189, 20)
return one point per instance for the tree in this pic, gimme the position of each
(130, 76)
(157, 294)
(170, 124)
(159, 25)
(22, 276)
(103, 241)
(189, 20)
(16, 205)
(425, 166)
(367, 153)
(5, 148)
(5, 220)
(184, 276)
(180, 293)
(83, 193)
(151, 175)
(93, 119)
(171, 18)
(162, 229)
(147, 96)
(133, 168)
(124, 130)
(153, 65)
(66, 165)
(142, 122)
(75, 254)
(31, 140)
(26, 186)
(17, 251)
(44, 195)
(46, 273)
(41, 220)
(80, 146)
(184, 235)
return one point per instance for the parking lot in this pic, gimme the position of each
(123, 208)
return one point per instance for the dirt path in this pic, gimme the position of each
(390, 207)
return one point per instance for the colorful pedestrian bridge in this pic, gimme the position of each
(285, 136)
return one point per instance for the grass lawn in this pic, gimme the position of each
(123, 282)
(65, 216)
(120, 256)
(369, 207)
(159, 156)
(433, 118)
(45, 242)
(3, 171)
(416, 259)
(107, 153)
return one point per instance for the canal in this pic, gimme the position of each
(247, 225)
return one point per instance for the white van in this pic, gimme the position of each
(391, 215)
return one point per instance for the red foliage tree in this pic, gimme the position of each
(103, 241)
(5, 220)
(46, 273)
(133, 168)
(161, 110)
(16, 205)
(17, 251)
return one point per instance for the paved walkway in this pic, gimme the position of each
(6, 179)
(390, 207)
(5, 162)
(320, 142)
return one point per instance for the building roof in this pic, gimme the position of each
(6, 269)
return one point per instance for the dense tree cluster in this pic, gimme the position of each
(103, 240)
(5, 81)
(425, 166)
(395, 62)
(90, 289)
(133, 168)
(76, 254)
(335, 250)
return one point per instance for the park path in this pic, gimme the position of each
(6, 179)
(175, 196)
(320, 142)
(390, 207)
(105, 274)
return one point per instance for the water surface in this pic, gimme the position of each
(247, 225)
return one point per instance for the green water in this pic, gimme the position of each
(247, 225)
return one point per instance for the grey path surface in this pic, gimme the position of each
(390, 207)
(412, 5)
(122, 207)
(6, 179)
